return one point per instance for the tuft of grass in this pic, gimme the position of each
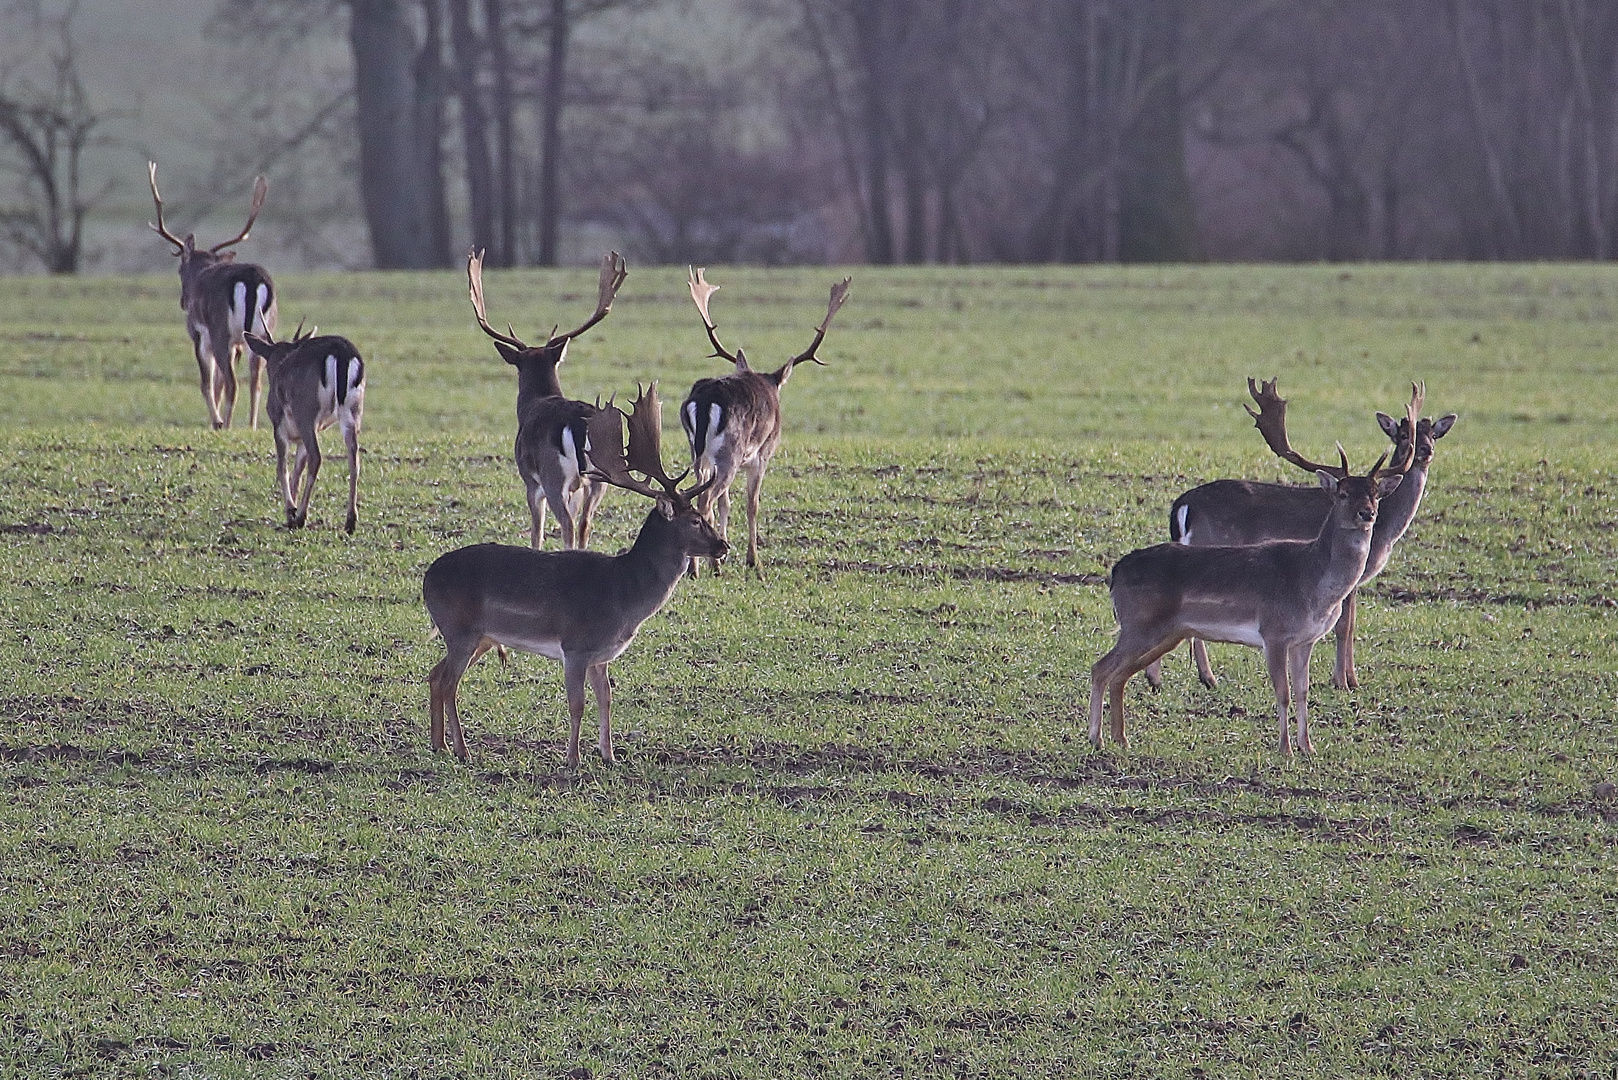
(858, 828)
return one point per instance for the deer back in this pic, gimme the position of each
(316, 375)
(229, 298)
(739, 414)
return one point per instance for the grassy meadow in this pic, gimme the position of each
(857, 829)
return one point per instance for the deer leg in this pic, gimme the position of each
(351, 438)
(444, 683)
(281, 479)
(203, 347)
(573, 674)
(601, 683)
(1121, 676)
(1154, 674)
(1343, 675)
(225, 361)
(255, 371)
(564, 517)
(721, 518)
(300, 460)
(1205, 671)
(755, 485)
(1275, 658)
(536, 513)
(593, 491)
(311, 453)
(1298, 660)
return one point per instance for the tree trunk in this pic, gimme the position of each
(430, 95)
(390, 181)
(505, 130)
(1157, 217)
(474, 126)
(870, 28)
(550, 136)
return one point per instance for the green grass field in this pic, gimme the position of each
(858, 829)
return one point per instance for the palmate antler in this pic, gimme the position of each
(1271, 421)
(610, 462)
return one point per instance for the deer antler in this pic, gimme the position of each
(474, 282)
(160, 229)
(1271, 421)
(260, 188)
(613, 273)
(645, 456)
(700, 292)
(839, 293)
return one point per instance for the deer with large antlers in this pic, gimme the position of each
(580, 607)
(1281, 596)
(223, 301)
(734, 422)
(1227, 512)
(315, 382)
(550, 450)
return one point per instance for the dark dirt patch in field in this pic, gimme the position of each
(1399, 594)
(69, 752)
(32, 528)
(963, 573)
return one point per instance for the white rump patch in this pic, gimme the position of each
(1185, 533)
(259, 309)
(353, 373)
(238, 310)
(569, 460)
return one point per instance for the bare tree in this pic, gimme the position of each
(47, 130)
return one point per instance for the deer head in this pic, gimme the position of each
(193, 260)
(272, 350)
(1414, 435)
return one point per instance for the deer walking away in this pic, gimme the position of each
(733, 422)
(551, 452)
(223, 301)
(315, 382)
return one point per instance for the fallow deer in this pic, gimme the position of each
(580, 607)
(734, 422)
(315, 382)
(550, 448)
(1281, 596)
(223, 300)
(1227, 512)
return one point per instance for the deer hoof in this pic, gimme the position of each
(349, 527)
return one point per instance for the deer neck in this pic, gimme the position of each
(1394, 515)
(1340, 556)
(537, 379)
(654, 564)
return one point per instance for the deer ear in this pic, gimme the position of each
(1327, 480)
(507, 353)
(258, 345)
(1388, 485)
(665, 506)
(1390, 426)
(1442, 425)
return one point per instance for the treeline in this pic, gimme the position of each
(912, 131)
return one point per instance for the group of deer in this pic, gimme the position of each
(1270, 566)
(583, 607)
(580, 607)
(314, 382)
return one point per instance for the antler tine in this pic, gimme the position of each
(261, 187)
(839, 293)
(1376, 470)
(613, 273)
(1271, 421)
(1418, 397)
(700, 292)
(160, 229)
(605, 433)
(646, 438)
(1344, 459)
(474, 284)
